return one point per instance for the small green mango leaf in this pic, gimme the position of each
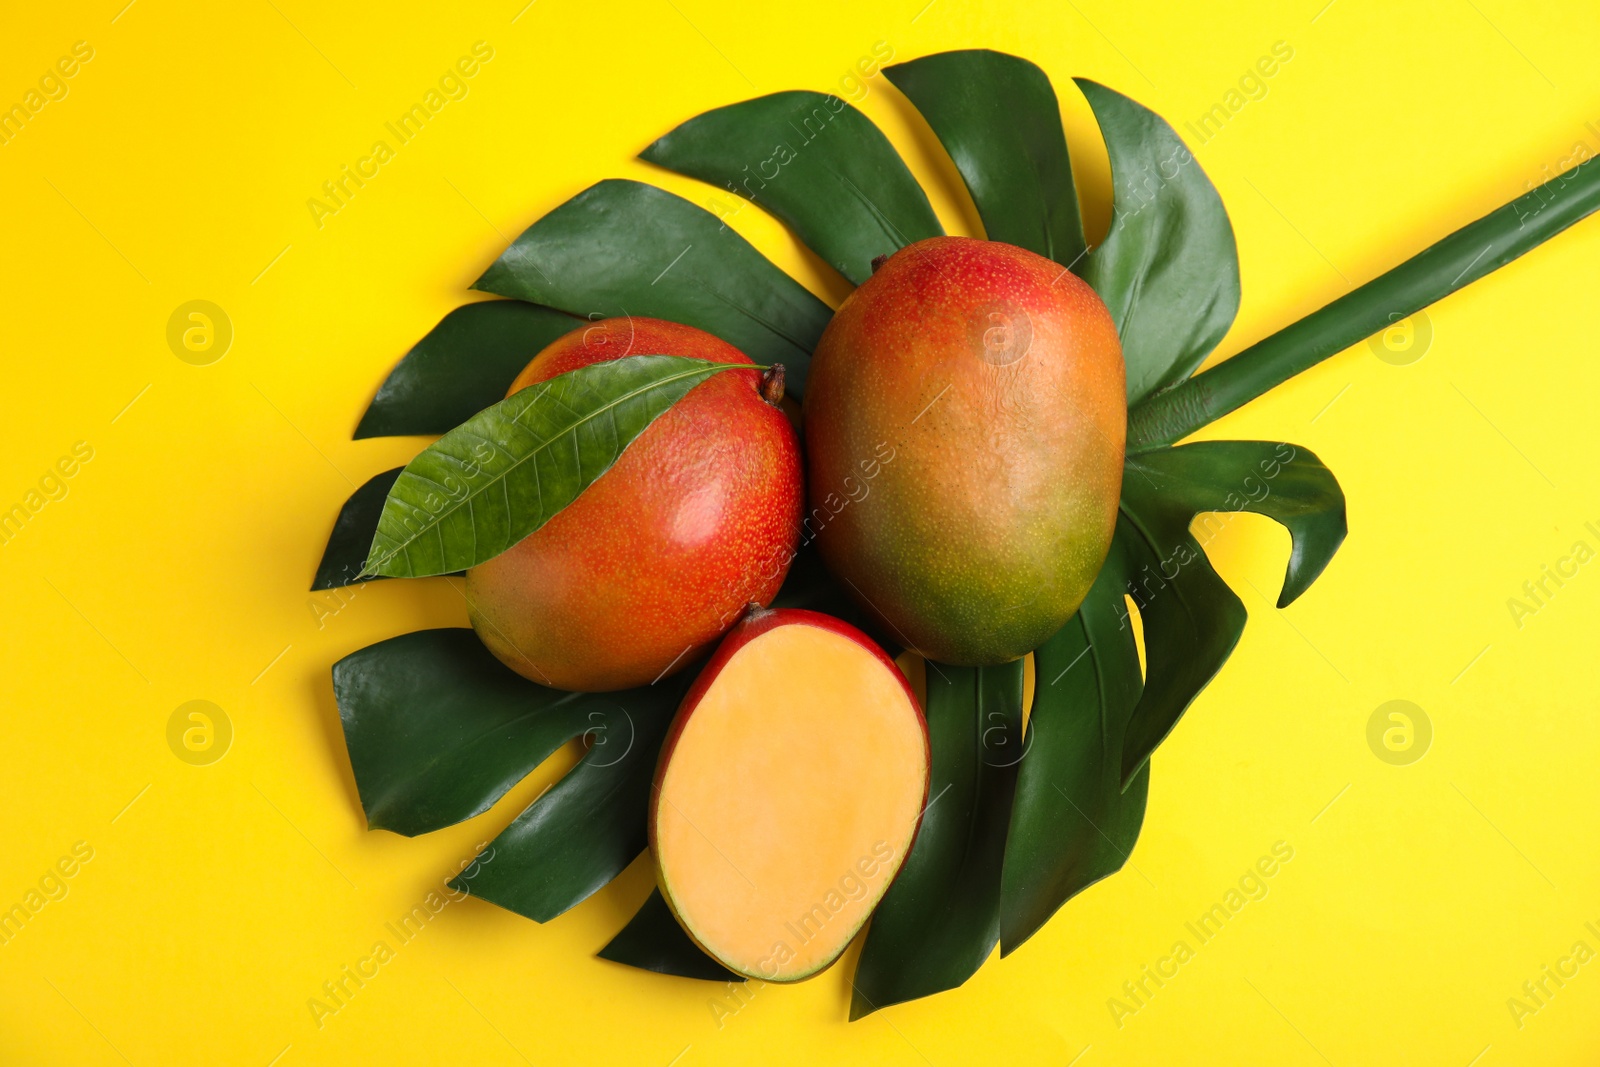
(941, 918)
(1282, 481)
(998, 118)
(463, 365)
(345, 558)
(580, 834)
(1190, 618)
(438, 729)
(653, 941)
(1071, 822)
(508, 470)
(835, 179)
(622, 247)
(1168, 270)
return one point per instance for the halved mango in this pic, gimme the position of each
(789, 791)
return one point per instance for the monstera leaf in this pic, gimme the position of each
(997, 117)
(438, 729)
(1072, 823)
(941, 918)
(834, 179)
(590, 825)
(654, 941)
(1018, 821)
(466, 363)
(344, 561)
(625, 248)
(1168, 270)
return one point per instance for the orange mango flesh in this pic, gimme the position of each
(789, 801)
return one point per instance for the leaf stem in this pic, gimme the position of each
(1459, 260)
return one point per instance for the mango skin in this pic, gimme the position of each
(965, 421)
(697, 519)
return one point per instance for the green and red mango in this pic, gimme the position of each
(964, 426)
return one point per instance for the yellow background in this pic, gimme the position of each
(220, 898)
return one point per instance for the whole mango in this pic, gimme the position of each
(697, 519)
(964, 424)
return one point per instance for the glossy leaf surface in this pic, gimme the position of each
(654, 941)
(1071, 822)
(505, 472)
(998, 118)
(1190, 618)
(463, 365)
(814, 162)
(1168, 270)
(626, 248)
(580, 834)
(941, 918)
(438, 729)
(346, 553)
(1282, 481)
